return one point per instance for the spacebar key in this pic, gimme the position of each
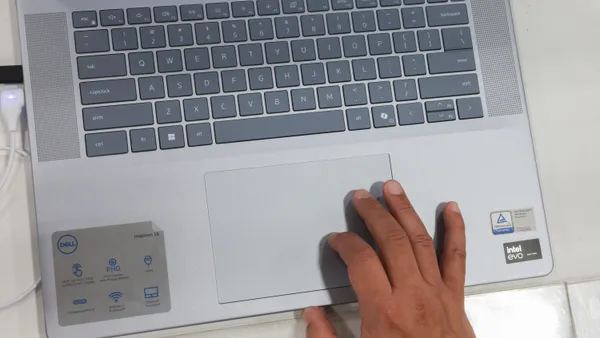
(279, 126)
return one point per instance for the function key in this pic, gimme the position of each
(268, 7)
(140, 15)
(388, 3)
(342, 4)
(191, 12)
(293, 6)
(318, 5)
(112, 17)
(366, 3)
(242, 9)
(165, 13)
(85, 19)
(219, 10)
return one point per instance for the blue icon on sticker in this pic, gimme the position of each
(148, 260)
(151, 292)
(77, 270)
(115, 296)
(112, 266)
(112, 262)
(67, 244)
(80, 301)
(501, 219)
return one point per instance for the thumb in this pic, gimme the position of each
(317, 325)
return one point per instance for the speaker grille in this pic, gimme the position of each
(496, 52)
(51, 80)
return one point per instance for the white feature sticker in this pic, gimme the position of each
(510, 221)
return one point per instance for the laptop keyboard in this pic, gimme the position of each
(197, 75)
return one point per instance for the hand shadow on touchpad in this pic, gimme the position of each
(440, 230)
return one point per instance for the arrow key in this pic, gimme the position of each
(410, 113)
(441, 105)
(469, 108)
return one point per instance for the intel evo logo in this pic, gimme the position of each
(67, 244)
(522, 251)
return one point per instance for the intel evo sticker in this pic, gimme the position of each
(522, 251)
(509, 221)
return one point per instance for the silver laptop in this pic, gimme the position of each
(190, 159)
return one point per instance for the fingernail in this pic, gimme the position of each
(360, 194)
(332, 235)
(453, 206)
(394, 188)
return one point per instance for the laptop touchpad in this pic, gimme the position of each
(268, 225)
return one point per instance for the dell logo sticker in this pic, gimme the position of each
(67, 244)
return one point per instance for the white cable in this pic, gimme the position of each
(20, 152)
(21, 296)
(11, 161)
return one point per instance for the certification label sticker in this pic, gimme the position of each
(510, 221)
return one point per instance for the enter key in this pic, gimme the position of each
(451, 62)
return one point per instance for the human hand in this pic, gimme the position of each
(404, 293)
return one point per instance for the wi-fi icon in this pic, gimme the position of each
(115, 296)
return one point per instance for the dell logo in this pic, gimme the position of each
(67, 244)
(514, 249)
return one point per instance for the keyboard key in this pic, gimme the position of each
(117, 116)
(413, 17)
(267, 7)
(303, 50)
(342, 4)
(363, 21)
(207, 83)
(250, 104)
(441, 116)
(124, 39)
(405, 90)
(85, 19)
(142, 140)
(153, 37)
(318, 5)
(388, 19)
(355, 94)
(219, 10)
(108, 91)
(179, 85)
(287, 76)
(102, 144)
(195, 109)
(293, 6)
(191, 12)
(168, 111)
(171, 137)
(260, 78)
(224, 56)
(251, 54)
(138, 16)
(414, 65)
(277, 102)
(446, 15)
(180, 35)
(261, 29)
(233, 80)
(312, 73)
(196, 58)
(169, 61)
(312, 25)
(277, 52)
(410, 113)
(380, 92)
(93, 67)
(287, 27)
(354, 46)
(223, 106)
(452, 85)
(338, 71)
(389, 67)
(198, 134)
(450, 62)
(329, 97)
(404, 42)
(429, 40)
(379, 44)
(364, 69)
(234, 31)
(457, 38)
(469, 108)
(92, 41)
(389, 3)
(303, 99)
(165, 14)
(151, 87)
(329, 48)
(279, 126)
(437, 1)
(358, 118)
(414, 2)
(383, 116)
(207, 33)
(141, 63)
(338, 23)
(112, 17)
(440, 105)
(242, 9)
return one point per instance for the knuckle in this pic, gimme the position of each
(396, 237)
(363, 256)
(422, 240)
(403, 206)
(458, 253)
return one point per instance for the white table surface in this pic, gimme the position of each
(559, 52)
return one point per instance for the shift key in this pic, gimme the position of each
(108, 91)
(118, 116)
(451, 85)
